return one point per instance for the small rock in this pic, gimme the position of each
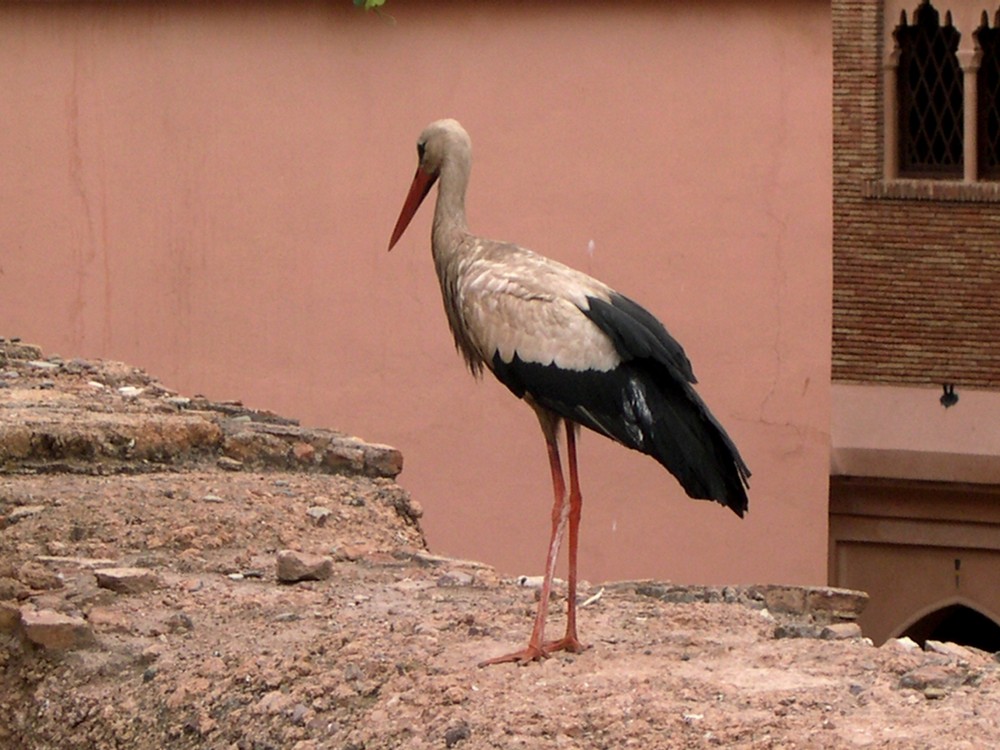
(535, 582)
(16, 349)
(304, 453)
(784, 599)
(11, 589)
(179, 622)
(130, 391)
(37, 576)
(352, 552)
(954, 650)
(41, 364)
(296, 566)
(212, 498)
(931, 676)
(76, 562)
(454, 578)
(905, 644)
(796, 630)
(340, 458)
(840, 631)
(52, 630)
(78, 365)
(229, 464)
(10, 616)
(106, 619)
(422, 628)
(128, 580)
(845, 604)
(319, 514)
(274, 702)
(24, 511)
(299, 713)
(456, 733)
(383, 460)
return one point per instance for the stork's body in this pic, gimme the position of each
(576, 351)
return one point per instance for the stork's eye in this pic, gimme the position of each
(420, 150)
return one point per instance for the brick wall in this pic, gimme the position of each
(916, 266)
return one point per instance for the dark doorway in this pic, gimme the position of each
(958, 624)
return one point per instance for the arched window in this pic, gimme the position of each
(988, 86)
(930, 96)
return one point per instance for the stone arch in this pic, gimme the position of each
(956, 619)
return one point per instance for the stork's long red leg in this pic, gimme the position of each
(570, 641)
(536, 648)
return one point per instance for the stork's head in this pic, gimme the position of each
(441, 141)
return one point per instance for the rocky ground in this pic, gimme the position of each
(180, 573)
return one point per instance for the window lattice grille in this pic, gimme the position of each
(930, 96)
(989, 101)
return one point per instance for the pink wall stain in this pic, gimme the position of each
(207, 191)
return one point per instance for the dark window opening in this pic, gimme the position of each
(958, 624)
(930, 96)
(988, 86)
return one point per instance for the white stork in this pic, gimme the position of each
(578, 352)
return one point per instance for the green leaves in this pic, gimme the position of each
(369, 4)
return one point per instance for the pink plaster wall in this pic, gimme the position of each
(901, 432)
(207, 190)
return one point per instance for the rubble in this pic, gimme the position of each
(126, 421)
(128, 580)
(172, 625)
(53, 630)
(293, 566)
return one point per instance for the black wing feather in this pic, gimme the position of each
(637, 334)
(646, 403)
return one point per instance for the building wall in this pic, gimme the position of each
(916, 267)
(887, 535)
(916, 277)
(207, 189)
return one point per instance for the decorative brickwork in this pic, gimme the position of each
(917, 262)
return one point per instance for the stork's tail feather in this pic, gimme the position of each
(690, 443)
(664, 417)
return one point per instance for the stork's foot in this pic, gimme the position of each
(531, 653)
(525, 656)
(568, 643)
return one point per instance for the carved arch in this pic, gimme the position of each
(957, 619)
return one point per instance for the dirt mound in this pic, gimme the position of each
(181, 573)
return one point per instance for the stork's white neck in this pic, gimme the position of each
(449, 212)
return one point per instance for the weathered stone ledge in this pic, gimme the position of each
(96, 417)
(812, 608)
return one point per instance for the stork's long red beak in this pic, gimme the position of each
(421, 185)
